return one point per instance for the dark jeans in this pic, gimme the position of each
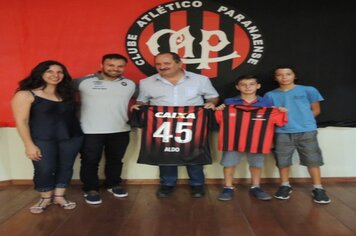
(55, 169)
(114, 146)
(168, 175)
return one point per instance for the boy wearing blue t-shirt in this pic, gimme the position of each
(300, 133)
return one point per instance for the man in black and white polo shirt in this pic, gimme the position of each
(104, 98)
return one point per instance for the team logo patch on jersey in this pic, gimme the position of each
(258, 117)
(99, 85)
(212, 39)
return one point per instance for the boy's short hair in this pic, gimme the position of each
(242, 77)
(114, 56)
(285, 66)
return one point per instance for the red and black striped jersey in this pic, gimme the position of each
(247, 128)
(173, 135)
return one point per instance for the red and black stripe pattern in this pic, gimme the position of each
(199, 19)
(248, 129)
(174, 135)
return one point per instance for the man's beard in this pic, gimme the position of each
(112, 76)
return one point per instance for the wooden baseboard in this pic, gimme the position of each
(185, 181)
(5, 183)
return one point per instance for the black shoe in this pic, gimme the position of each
(164, 191)
(118, 191)
(319, 196)
(92, 197)
(226, 194)
(260, 194)
(283, 192)
(198, 191)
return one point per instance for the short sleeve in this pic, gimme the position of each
(143, 95)
(208, 90)
(314, 95)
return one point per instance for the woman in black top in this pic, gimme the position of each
(44, 111)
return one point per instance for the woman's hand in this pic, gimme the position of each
(33, 152)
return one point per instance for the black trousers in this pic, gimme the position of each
(114, 146)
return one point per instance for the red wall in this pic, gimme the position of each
(76, 33)
(317, 37)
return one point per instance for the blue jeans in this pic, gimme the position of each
(114, 145)
(169, 174)
(55, 169)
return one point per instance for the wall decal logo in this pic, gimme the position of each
(212, 39)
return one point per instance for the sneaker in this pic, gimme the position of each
(283, 192)
(164, 191)
(319, 196)
(226, 194)
(197, 191)
(92, 197)
(260, 194)
(118, 191)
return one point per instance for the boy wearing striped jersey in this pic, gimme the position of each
(240, 126)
